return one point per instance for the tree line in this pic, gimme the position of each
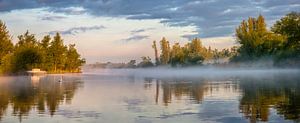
(192, 53)
(49, 54)
(281, 44)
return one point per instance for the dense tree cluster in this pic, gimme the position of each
(28, 53)
(192, 53)
(281, 43)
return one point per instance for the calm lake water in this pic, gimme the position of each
(108, 97)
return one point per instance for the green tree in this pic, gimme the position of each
(194, 52)
(165, 51)
(256, 41)
(73, 61)
(7, 65)
(45, 42)
(44, 45)
(6, 45)
(26, 40)
(250, 35)
(177, 55)
(289, 26)
(57, 53)
(50, 55)
(27, 58)
(27, 54)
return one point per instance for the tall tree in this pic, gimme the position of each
(26, 40)
(256, 41)
(155, 53)
(73, 59)
(177, 55)
(165, 51)
(45, 42)
(195, 52)
(57, 53)
(44, 46)
(6, 45)
(27, 54)
(289, 26)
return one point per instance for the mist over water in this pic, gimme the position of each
(193, 72)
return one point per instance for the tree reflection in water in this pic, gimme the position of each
(278, 92)
(194, 90)
(44, 94)
(258, 94)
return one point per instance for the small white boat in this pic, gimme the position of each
(36, 71)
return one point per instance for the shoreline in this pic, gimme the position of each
(47, 73)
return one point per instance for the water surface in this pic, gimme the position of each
(113, 98)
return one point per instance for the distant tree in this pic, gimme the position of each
(157, 62)
(146, 62)
(6, 45)
(165, 51)
(216, 56)
(131, 64)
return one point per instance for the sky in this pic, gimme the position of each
(120, 30)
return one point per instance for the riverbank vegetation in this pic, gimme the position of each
(278, 46)
(49, 54)
(281, 45)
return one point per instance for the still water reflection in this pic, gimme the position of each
(105, 98)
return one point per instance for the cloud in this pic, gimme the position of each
(52, 17)
(141, 30)
(190, 36)
(68, 10)
(76, 30)
(206, 15)
(135, 38)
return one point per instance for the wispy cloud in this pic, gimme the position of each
(52, 17)
(69, 10)
(141, 30)
(76, 30)
(135, 38)
(190, 36)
